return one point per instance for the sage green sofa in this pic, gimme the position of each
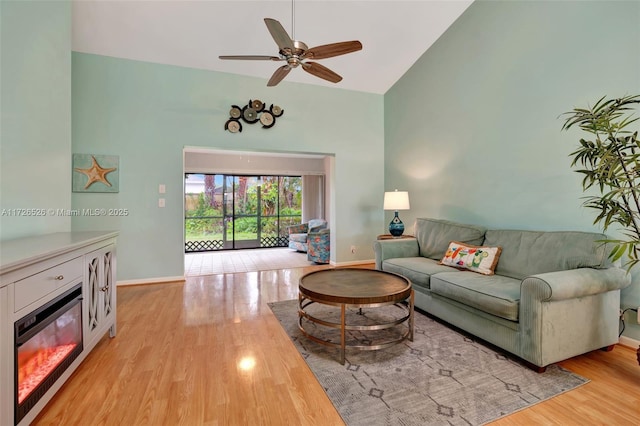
(554, 295)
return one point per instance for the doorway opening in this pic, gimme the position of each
(228, 212)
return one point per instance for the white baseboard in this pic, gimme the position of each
(150, 281)
(632, 343)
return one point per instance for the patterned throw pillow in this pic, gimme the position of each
(474, 258)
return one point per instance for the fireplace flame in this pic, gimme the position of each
(35, 366)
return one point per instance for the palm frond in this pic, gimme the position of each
(610, 160)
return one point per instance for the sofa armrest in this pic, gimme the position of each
(574, 283)
(303, 228)
(319, 231)
(391, 249)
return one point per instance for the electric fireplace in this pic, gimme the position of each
(47, 341)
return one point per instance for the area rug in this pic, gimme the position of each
(441, 378)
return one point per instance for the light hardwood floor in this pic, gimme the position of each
(210, 352)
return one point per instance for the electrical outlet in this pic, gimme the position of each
(353, 249)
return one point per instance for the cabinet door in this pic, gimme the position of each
(100, 293)
(108, 302)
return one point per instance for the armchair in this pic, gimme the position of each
(319, 245)
(299, 234)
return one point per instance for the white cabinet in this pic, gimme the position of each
(36, 270)
(6, 395)
(99, 294)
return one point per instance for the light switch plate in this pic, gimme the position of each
(162, 188)
(160, 202)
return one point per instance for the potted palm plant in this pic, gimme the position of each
(610, 162)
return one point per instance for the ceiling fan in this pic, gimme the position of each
(296, 53)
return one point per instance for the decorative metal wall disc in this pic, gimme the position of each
(267, 119)
(251, 113)
(276, 110)
(232, 125)
(257, 105)
(235, 111)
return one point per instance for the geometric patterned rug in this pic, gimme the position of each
(441, 378)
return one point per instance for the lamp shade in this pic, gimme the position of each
(396, 200)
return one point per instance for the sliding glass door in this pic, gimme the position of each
(242, 212)
(239, 211)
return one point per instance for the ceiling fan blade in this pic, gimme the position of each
(333, 49)
(321, 71)
(251, 57)
(279, 34)
(279, 75)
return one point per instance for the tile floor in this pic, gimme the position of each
(251, 260)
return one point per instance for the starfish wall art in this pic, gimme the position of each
(95, 173)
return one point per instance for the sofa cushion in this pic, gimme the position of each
(417, 269)
(481, 259)
(494, 294)
(434, 235)
(527, 253)
(299, 238)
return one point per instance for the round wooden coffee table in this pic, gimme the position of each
(355, 288)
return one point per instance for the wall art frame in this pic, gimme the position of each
(95, 173)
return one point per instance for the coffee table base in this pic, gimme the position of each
(407, 319)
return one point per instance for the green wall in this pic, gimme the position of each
(35, 128)
(472, 129)
(147, 113)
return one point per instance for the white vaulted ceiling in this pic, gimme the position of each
(193, 34)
